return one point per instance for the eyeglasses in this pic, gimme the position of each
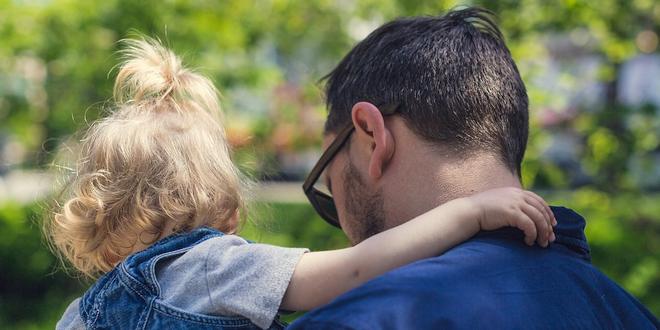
(321, 201)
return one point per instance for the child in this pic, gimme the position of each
(155, 203)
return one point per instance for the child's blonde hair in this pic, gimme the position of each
(159, 159)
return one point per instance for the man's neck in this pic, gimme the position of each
(432, 181)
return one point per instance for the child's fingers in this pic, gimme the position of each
(542, 228)
(523, 222)
(546, 207)
(553, 219)
(539, 205)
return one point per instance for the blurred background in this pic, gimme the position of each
(592, 70)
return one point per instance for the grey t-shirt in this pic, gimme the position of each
(221, 276)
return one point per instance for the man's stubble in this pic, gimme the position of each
(364, 206)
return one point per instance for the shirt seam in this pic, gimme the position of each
(206, 279)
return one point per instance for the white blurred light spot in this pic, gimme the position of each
(359, 29)
(647, 41)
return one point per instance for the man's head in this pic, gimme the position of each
(461, 108)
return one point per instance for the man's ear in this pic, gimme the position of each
(370, 129)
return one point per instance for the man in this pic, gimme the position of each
(425, 110)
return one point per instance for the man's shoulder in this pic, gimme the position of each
(481, 283)
(475, 262)
(457, 267)
(471, 267)
(442, 286)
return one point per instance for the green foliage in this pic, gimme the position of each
(33, 287)
(56, 57)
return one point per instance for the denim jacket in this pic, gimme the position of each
(128, 297)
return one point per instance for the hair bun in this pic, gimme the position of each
(150, 72)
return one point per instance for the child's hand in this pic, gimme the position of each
(518, 208)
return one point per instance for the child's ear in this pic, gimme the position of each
(371, 131)
(232, 223)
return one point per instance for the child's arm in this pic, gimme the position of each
(321, 276)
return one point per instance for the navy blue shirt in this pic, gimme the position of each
(492, 281)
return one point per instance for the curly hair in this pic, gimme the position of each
(158, 163)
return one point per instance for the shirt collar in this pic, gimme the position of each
(569, 232)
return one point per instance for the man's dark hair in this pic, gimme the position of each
(452, 77)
